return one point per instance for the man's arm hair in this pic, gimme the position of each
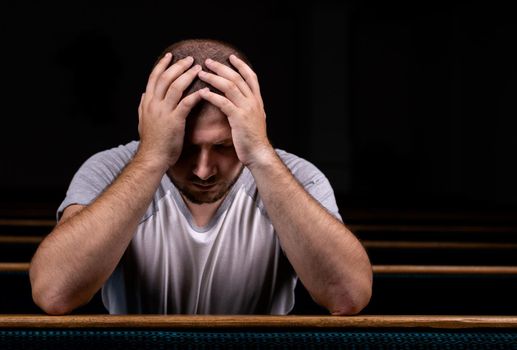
(329, 260)
(78, 256)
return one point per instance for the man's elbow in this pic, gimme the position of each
(53, 308)
(347, 309)
(352, 302)
(50, 305)
(46, 299)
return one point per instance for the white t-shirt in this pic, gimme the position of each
(233, 265)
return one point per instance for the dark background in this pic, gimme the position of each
(400, 105)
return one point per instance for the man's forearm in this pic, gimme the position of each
(327, 257)
(79, 255)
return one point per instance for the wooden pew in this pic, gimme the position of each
(434, 289)
(19, 237)
(394, 244)
(428, 264)
(438, 244)
(272, 332)
(397, 290)
(16, 293)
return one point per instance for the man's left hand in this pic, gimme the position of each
(243, 106)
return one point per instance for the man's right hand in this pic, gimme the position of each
(162, 113)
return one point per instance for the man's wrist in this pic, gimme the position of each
(151, 161)
(263, 158)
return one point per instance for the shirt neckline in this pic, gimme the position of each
(180, 202)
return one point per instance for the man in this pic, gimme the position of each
(202, 216)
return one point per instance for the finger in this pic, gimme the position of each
(157, 71)
(247, 73)
(221, 102)
(176, 89)
(230, 90)
(228, 73)
(171, 74)
(185, 106)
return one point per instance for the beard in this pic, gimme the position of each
(219, 190)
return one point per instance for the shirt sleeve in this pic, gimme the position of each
(93, 177)
(313, 180)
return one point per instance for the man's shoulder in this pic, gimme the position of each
(119, 155)
(297, 165)
(128, 149)
(108, 163)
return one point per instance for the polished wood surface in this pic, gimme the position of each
(207, 322)
(27, 222)
(392, 215)
(378, 269)
(430, 228)
(14, 267)
(353, 227)
(20, 239)
(439, 269)
(370, 244)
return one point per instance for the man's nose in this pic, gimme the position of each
(204, 167)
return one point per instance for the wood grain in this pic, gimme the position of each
(20, 239)
(388, 228)
(242, 322)
(374, 244)
(445, 270)
(378, 269)
(27, 222)
(14, 267)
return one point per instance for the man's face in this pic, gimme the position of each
(208, 165)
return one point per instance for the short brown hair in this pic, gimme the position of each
(200, 50)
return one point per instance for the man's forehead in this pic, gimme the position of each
(207, 114)
(208, 125)
(208, 135)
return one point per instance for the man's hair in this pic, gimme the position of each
(200, 50)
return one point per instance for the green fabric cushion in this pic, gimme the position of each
(165, 339)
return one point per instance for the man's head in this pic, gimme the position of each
(208, 165)
(200, 50)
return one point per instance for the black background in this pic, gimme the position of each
(400, 105)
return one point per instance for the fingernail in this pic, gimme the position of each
(189, 58)
(167, 55)
(208, 60)
(202, 73)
